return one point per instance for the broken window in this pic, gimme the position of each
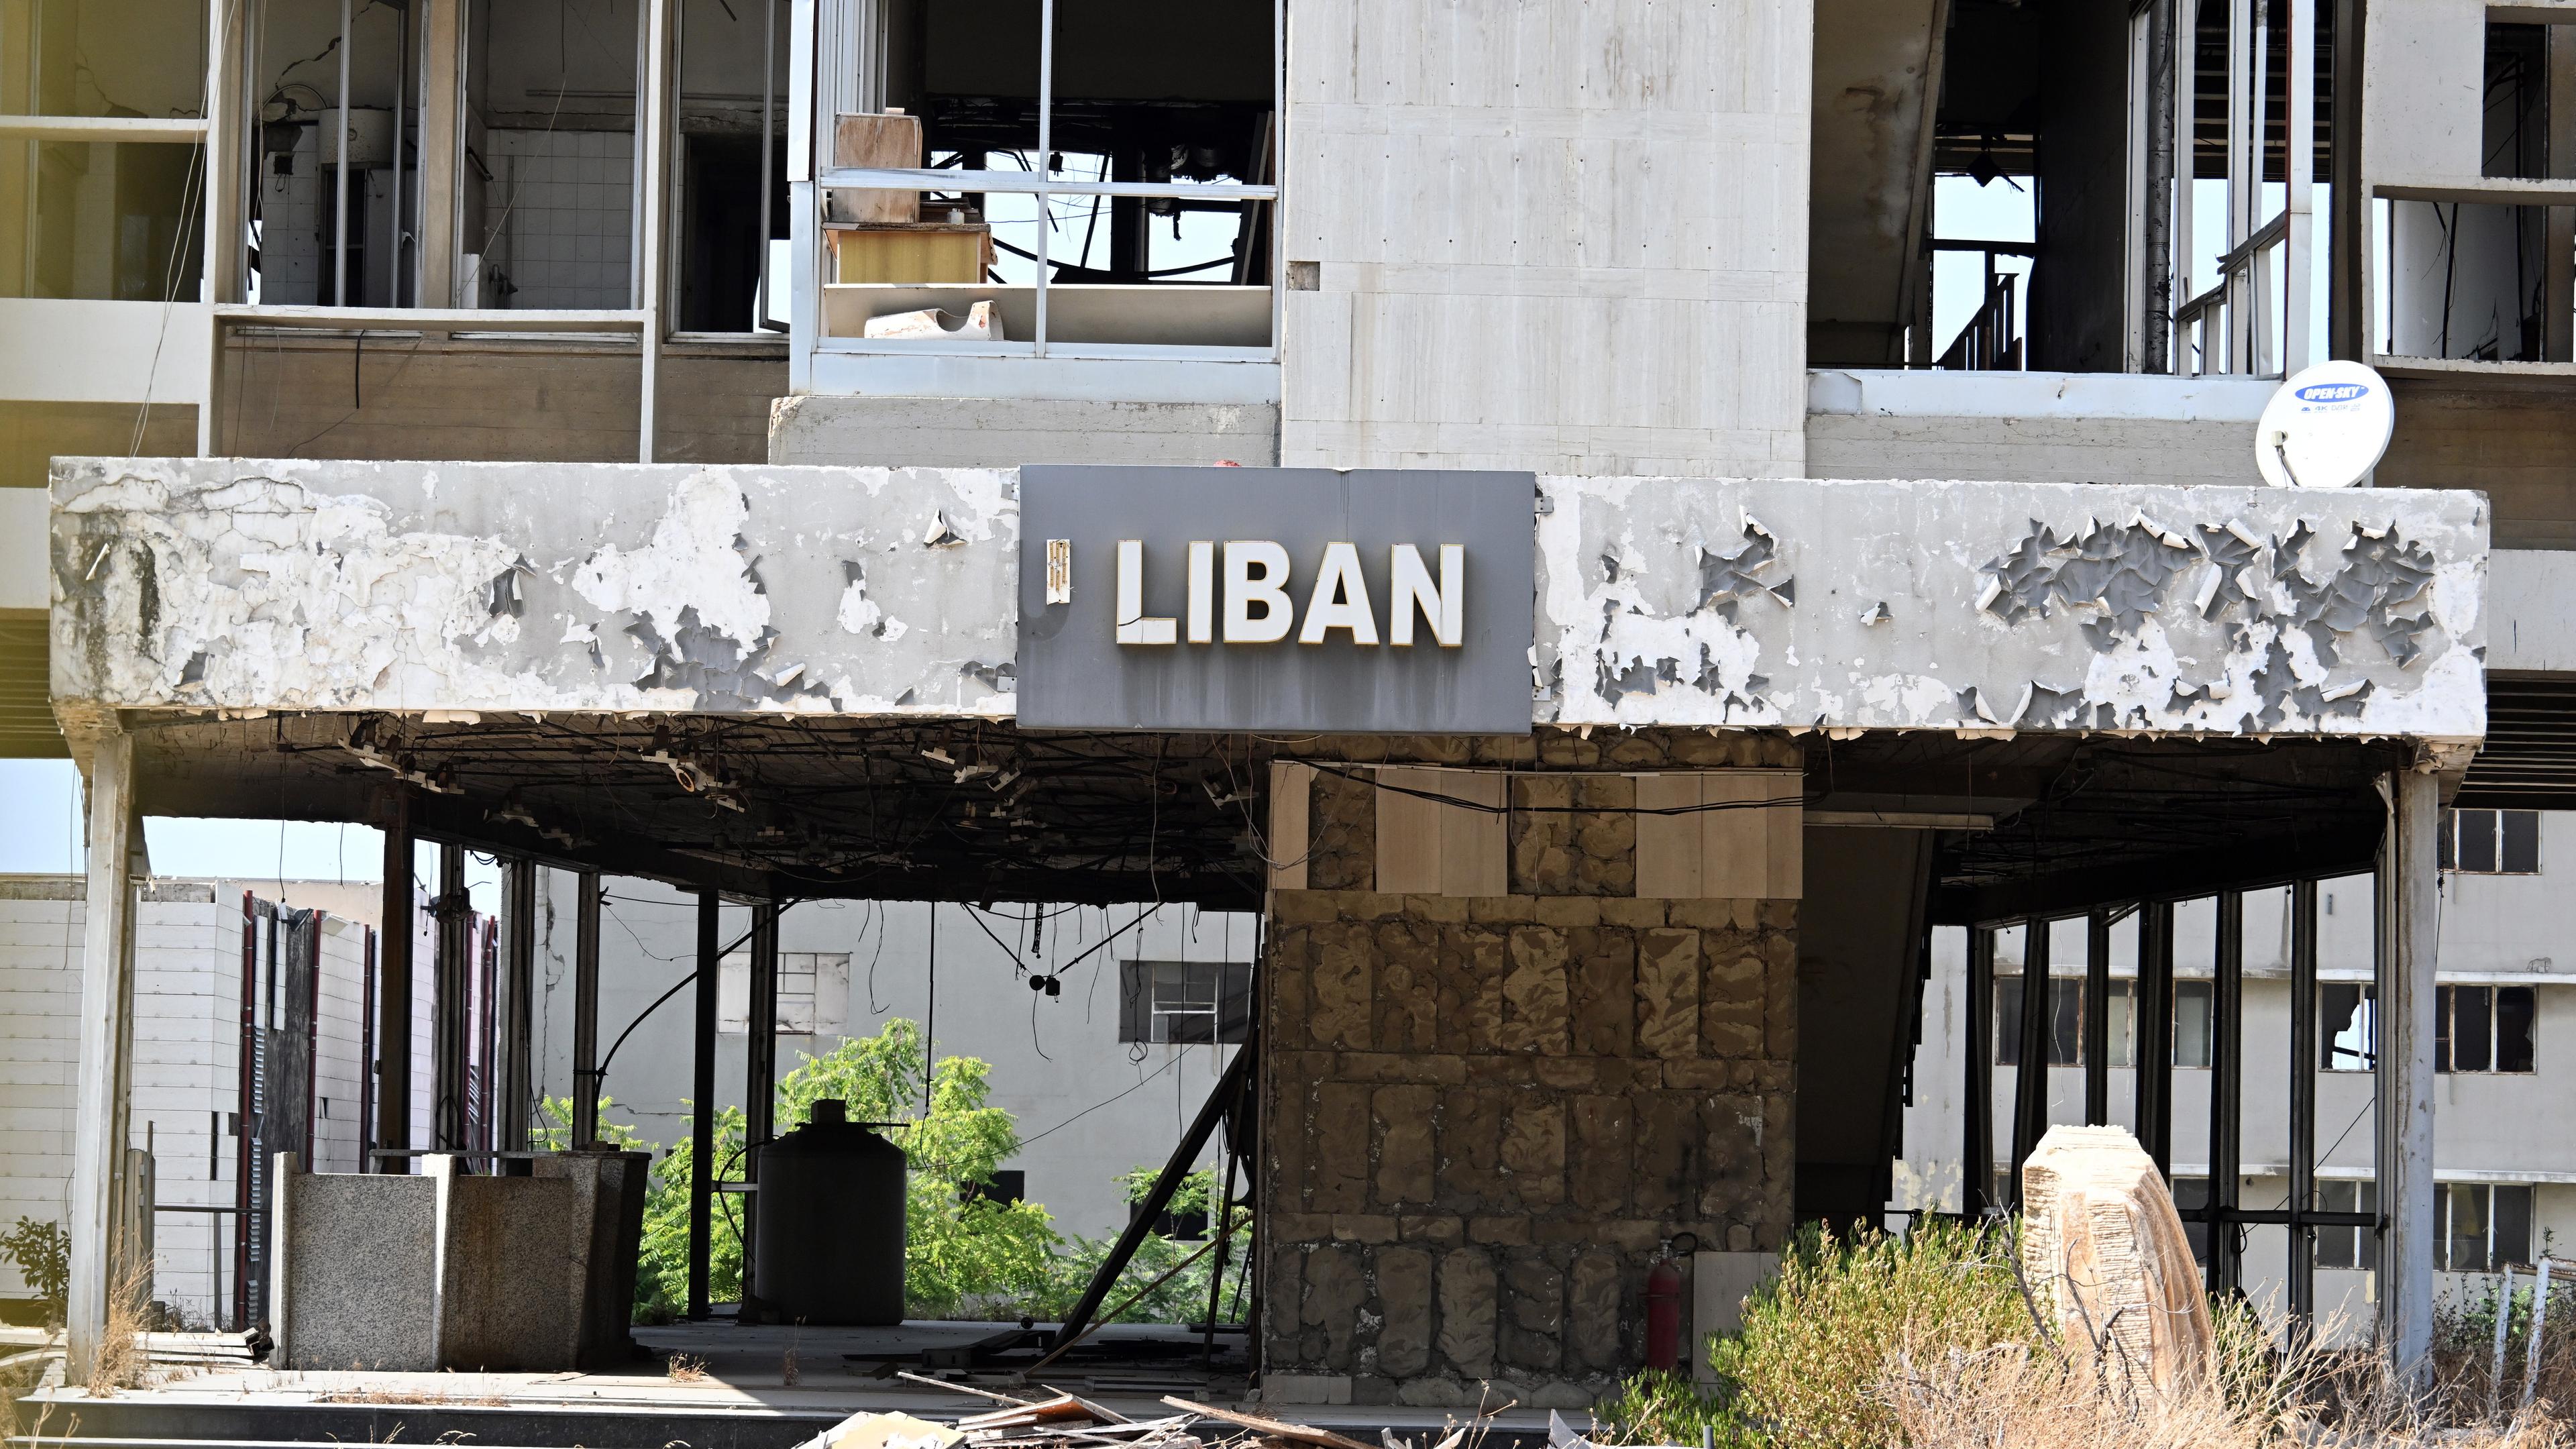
(105, 219)
(2482, 1226)
(2491, 842)
(1184, 1002)
(2347, 1247)
(2482, 1029)
(813, 993)
(2347, 1027)
(1123, 198)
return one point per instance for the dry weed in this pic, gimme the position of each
(119, 1361)
(687, 1370)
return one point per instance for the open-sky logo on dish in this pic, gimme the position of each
(2334, 392)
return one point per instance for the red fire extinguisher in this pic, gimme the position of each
(1664, 1312)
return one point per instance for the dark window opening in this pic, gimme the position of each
(1184, 1002)
(2483, 1029)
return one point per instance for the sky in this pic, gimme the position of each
(42, 836)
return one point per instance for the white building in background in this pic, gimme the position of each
(1101, 1077)
(2505, 1060)
(191, 1096)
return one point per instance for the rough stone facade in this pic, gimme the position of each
(1484, 1116)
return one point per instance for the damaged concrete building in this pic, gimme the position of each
(867, 449)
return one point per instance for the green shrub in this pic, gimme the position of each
(1816, 1339)
(1654, 1407)
(43, 1253)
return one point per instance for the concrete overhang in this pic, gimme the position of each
(541, 588)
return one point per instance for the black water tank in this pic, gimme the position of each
(827, 1245)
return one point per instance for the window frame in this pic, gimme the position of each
(2366, 1008)
(2447, 1198)
(2500, 845)
(2447, 1039)
(813, 264)
(1140, 1023)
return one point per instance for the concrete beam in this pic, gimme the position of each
(1983, 608)
(106, 1051)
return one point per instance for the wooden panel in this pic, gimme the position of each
(1726, 854)
(1408, 833)
(1292, 836)
(1475, 858)
(909, 255)
(1668, 846)
(878, 142)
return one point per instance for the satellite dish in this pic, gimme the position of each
(2325, 428)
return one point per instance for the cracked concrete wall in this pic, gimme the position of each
(340, 585)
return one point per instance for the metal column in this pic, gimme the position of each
(585, 1011)
(106, 1049)
(2303, 1103)
(2030, 1075)
(451, 1003)
(1977, 1135)
(2226, 1090)
(518, 1002)
(2154, 1108)
(2097, 1019)
(394, 992)
(702, 1105)
(2410, 916)
(760, 1078)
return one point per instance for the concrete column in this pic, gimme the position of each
(653, 120)
(585, 1011)
(227, 193)
(518, 1001)
(442, 145)
(393, 991)
(451, 1004)
(702, 1102)
(2410, 886)
(106, 1048)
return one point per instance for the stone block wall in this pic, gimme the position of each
(1484, 1115)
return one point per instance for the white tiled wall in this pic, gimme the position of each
(563, 202)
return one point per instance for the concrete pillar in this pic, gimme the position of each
(585, 1011)
(393, 991)
(702, 1102)
(451, 1004)
(653, 122)
(442, 145)
(2410, 886)
(227, 193)
(106, 1048)
(518, 1001)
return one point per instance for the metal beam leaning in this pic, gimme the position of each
(585, 1011)
(2030, 1060)
(2097, 1018)
(394, 991)
(2303, 1104)
(518, 1000)
(451, 1003)
(2154, 1084)
(106, 1044)
(1977, 1133)
(2226, 1090)
(702, 1101)
(2410, 923)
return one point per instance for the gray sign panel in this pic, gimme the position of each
(1196, 554)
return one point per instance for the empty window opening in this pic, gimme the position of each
(1184, 1002)
(813, 993)
(2347, 1027)
(2480, 1029)
(1129, 176)
(2491, 842)
(2355, 1248)
(2482, 1226)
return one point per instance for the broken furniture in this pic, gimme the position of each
(455, 1270)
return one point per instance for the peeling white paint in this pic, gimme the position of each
(1971, 607)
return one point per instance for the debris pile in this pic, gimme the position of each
(1069, 1421)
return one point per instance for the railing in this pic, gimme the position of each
(1991, 341)
(2229, 328)
(2238, 325)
